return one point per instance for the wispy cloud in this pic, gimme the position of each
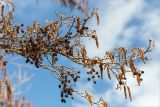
(113, 20)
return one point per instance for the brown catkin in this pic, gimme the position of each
(123, 52)
(2, 12)
(141, 53)
(122, 67)
(101, 69)
(97, 17)
(132, 66)
(9, 90)
(138, 80)
(125, 91)
(108, 72)
(84, 54)
(78, 24)
(97, 43)
(4, 26)
(129, 93)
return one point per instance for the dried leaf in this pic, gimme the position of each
(111, 56)
(35, 25)
(129, 92)
(29, 29)
(108, 72)
(125, 91)
(141, 53)
(90, 63)
(56, 26)
(52, 26)
(105, 104)
(89, 98)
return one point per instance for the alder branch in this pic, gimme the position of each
(41, 45)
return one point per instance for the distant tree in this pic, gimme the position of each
(42, 45)
(81, 5)
(8, 88)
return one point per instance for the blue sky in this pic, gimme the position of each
(123, 23)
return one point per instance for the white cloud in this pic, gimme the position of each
(112, 24)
